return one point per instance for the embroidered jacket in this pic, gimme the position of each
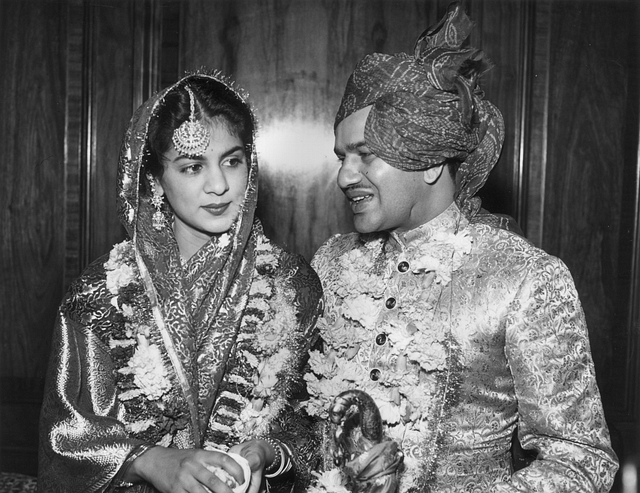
(464, 333)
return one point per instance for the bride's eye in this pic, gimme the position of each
(191, 169)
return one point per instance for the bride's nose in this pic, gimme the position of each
(216, 180)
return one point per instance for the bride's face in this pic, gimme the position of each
(206, 192)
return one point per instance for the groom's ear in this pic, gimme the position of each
(431, 175)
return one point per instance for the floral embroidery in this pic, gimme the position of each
(444, 254)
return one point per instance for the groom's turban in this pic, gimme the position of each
(428, 107)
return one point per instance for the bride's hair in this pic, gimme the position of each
(214, 102)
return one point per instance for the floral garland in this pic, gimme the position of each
(142, 375)
(268, 354)
(266, 349)
(406, 343)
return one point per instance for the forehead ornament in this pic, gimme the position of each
(192, 137)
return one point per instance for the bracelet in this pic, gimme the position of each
(277, 460)
(137, 452)
(282, 462)
(285, 465)
(289, 455)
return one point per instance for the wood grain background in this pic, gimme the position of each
(565, 78)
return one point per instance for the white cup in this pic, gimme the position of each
(225, 476)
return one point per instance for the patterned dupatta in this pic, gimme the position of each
(197, 307)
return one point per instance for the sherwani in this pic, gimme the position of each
(510, 351)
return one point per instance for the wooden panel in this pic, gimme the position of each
(67, 95)
(502, 32)
(32, 95)
(103, 36)
(294, 58)
(32, 197)
(110, 91)
(536, 115)
(76, 137)
(590, 197)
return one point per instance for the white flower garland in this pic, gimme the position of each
(274, 349)
(355, 316)
(266, 333)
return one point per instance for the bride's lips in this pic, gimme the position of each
(216, 209)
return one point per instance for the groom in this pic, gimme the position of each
(461, 331)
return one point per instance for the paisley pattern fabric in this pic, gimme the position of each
(503, 345)
(151, 349)
(428, 107)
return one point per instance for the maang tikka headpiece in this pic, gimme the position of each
(192, 137)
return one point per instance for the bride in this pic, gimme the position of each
(186, 341)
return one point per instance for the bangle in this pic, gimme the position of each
(277, 450)
(285, 465)
(289, 455)
(282, 462)
(135, 453)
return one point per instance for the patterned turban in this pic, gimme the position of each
(428, 107)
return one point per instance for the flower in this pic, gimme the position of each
(120, 277)
(361, 308)
(256, 386)
(260, 286)
(266, 378)
(396, 354)
(224, 240)
(118, 255)
(139, 426)
(142, 378)
(331, 481)
(268, 349)
(148, 370)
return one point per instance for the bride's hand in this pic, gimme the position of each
(184, 471)
(259, 454)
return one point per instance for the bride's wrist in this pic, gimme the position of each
(280, 461)
(134, 466)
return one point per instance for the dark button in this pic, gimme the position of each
(390, 303)
(374, 374)
(403, 266)
(381, 339)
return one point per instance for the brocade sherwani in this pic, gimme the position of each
(463, 333)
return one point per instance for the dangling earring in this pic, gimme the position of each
(157, 201)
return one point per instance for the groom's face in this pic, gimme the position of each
(382, 198)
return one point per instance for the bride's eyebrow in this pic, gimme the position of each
(232, 151)
(185, 156)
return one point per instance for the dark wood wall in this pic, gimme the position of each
(32, 209)
(565, 78)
